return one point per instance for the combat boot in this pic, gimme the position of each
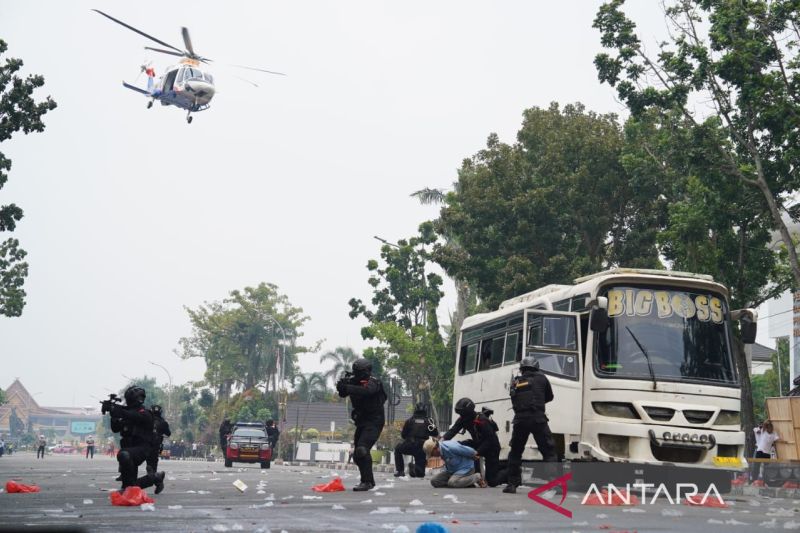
(364, 486)
(510, 489)
(160, 482)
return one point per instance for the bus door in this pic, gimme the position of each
(553, 338)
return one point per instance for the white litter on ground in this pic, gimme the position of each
(214, 479)
(791, 524)
(771, 524)
(754, 503)
(401, 529)
(366, 501)
(734, 522)
(338, 507)
(208, 491)
(601, 516)
(240, 485)
(418, 511)
(780, 511)
(387, 510)
(521, 512)
(384, 486)
(237, 527)
(287, 497)
(312, 497)
(69, 507)
(261, 492)
(220, 527)
(191, 492)
(380, 494)
(262, 505)
(175, 507)
(87, 501)
(271, 497)
(453, 498)
(147, 507)
(415, 503)
(715, 521)
(580, 523)
(635, 510)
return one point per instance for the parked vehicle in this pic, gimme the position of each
(248, 443)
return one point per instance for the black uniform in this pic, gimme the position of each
(415, 432)
(368, 397)
(160, 430)
(135, 426)
(529, 392)
(483, 433)
(224, 430)
(273, 434)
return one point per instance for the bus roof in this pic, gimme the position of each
(552, 293)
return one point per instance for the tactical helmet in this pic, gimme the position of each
(156, 410)
(270, 423)
(465, 407)
(420, 408)
(529, 361)
(135, 395)
(362, 366)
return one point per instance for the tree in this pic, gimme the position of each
(738, 56)
(342, 358)
(18, 111)
(2, 397)
(155, 395)
(310, 387)
(766, 385)
(239, 340)
(402, 317)
(551, 207)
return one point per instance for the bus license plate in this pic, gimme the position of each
(727, 461)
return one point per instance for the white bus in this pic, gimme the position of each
(640, 363)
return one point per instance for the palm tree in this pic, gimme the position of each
(310, 387)
(343, 359)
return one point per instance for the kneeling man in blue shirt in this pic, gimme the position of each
(459, 462)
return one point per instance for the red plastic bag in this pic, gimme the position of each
(710, 501)
(615, 498)
(13, 486)
(332, 486)
(132, 496)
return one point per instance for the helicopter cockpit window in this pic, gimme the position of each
(208, 77)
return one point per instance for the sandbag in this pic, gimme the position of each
(13, 486)
(332, 486)
(132, 496)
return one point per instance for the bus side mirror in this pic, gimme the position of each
(748, 324)
(598, 321)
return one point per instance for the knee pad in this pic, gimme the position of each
(360, 453)
(123, 456)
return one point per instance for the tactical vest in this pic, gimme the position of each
(523, 396)
(419, 428)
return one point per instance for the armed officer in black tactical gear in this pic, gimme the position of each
(529, 393)
(367, 394)
(415, 432)
(160, 430)
(483, 432)
(134, 423)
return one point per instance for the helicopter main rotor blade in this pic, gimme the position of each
(187, 41)
(259, 70)
(162, 43)
(170, 52)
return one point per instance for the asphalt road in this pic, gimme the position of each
(200, 496)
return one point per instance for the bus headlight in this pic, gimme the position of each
(728, 418)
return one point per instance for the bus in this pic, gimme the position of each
(640, 363)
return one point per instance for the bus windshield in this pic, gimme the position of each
(665, 334)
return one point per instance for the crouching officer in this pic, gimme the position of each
(160, 430)
(367, 394)
(483, 432)
(415, 432)
(134, 423)
(529, 393)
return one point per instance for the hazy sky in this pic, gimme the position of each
(131, 214)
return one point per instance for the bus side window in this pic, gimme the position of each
(512, 342)
(468, 358)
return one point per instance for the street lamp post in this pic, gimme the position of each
(169, 394)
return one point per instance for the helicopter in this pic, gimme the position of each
(187, 84)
